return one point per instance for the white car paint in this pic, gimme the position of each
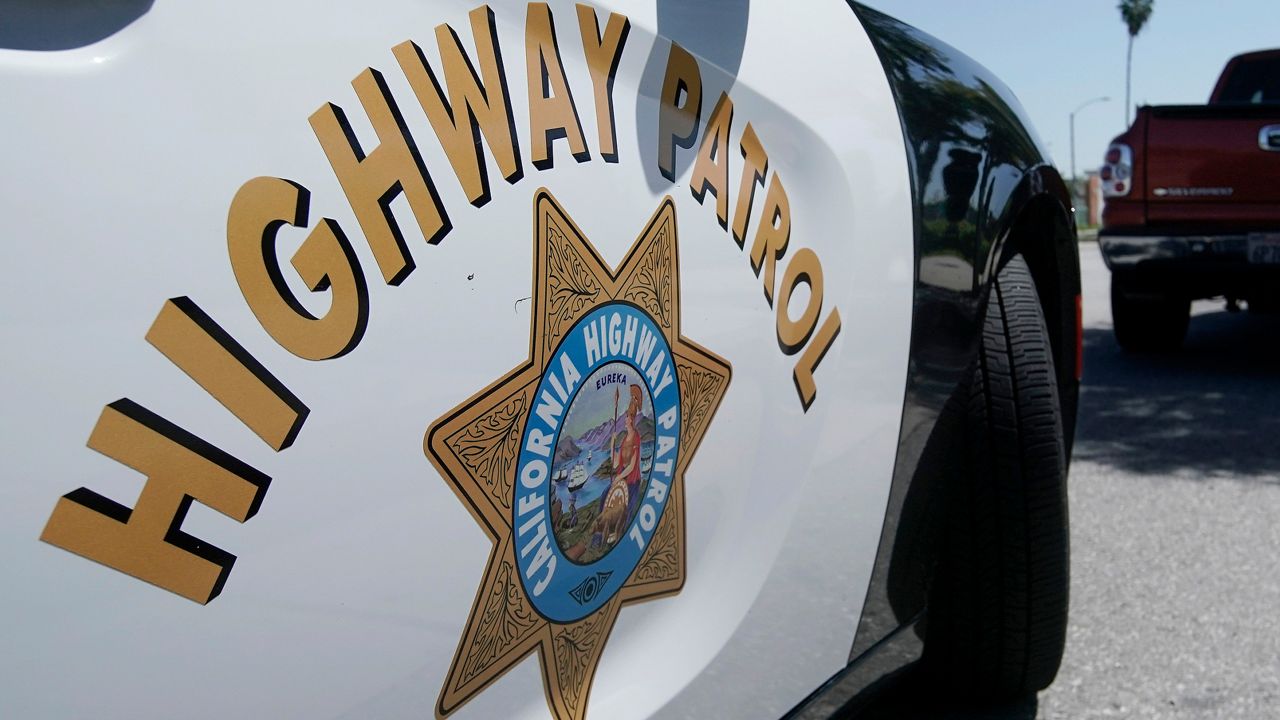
(353, 583)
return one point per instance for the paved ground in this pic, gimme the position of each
(1175, 529)
(1175, 512)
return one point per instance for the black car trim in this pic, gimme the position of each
(995, 196)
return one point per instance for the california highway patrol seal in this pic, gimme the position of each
(573, 463)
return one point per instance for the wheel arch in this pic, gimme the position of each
(983, 191)
(1041, 229)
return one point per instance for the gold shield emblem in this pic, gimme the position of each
(613, 533)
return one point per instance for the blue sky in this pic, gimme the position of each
(1058, 55)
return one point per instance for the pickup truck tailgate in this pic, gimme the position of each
(1206, 164)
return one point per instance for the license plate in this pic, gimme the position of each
(1264, 249)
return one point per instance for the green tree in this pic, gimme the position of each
(1135, 14)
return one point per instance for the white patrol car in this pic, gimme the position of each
(522, 360)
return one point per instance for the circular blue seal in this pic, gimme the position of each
(597, 459)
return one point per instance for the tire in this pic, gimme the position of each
(1147, 322)
(997, 617)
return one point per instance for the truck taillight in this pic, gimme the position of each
(1117, 171)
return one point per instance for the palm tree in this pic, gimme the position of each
(1135, 14)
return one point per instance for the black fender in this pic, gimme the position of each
(983, 190)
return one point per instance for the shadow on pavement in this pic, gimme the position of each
(1210, 409)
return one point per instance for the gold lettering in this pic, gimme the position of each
(813, 354)
(472, 109)
(603, 55)
(220, 365)
(755, 165)
(711, 167)
(147, 541)
(552, 113)
(372, 181)
(804, 267)
(325, 261)
(679, 109)
(772, 235)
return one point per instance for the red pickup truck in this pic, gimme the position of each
(1193, 206)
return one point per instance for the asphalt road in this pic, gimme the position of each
(1175, 529)
(1175, 523)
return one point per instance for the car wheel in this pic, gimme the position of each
(1146, 322)
(997, 615)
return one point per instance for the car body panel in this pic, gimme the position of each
(354, 583)
(982, 190)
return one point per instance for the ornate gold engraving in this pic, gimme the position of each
(476, 446)
(650, 285)
(662, 560)
(576, 649)
(489, 446)
(570, 287)
(702, 390)
(507, 618)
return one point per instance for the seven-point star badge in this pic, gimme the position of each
(573, 463)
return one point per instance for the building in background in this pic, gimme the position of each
(1087, 195)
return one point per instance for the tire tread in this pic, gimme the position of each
(998, 623)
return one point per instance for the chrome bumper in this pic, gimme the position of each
(1122, 251)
